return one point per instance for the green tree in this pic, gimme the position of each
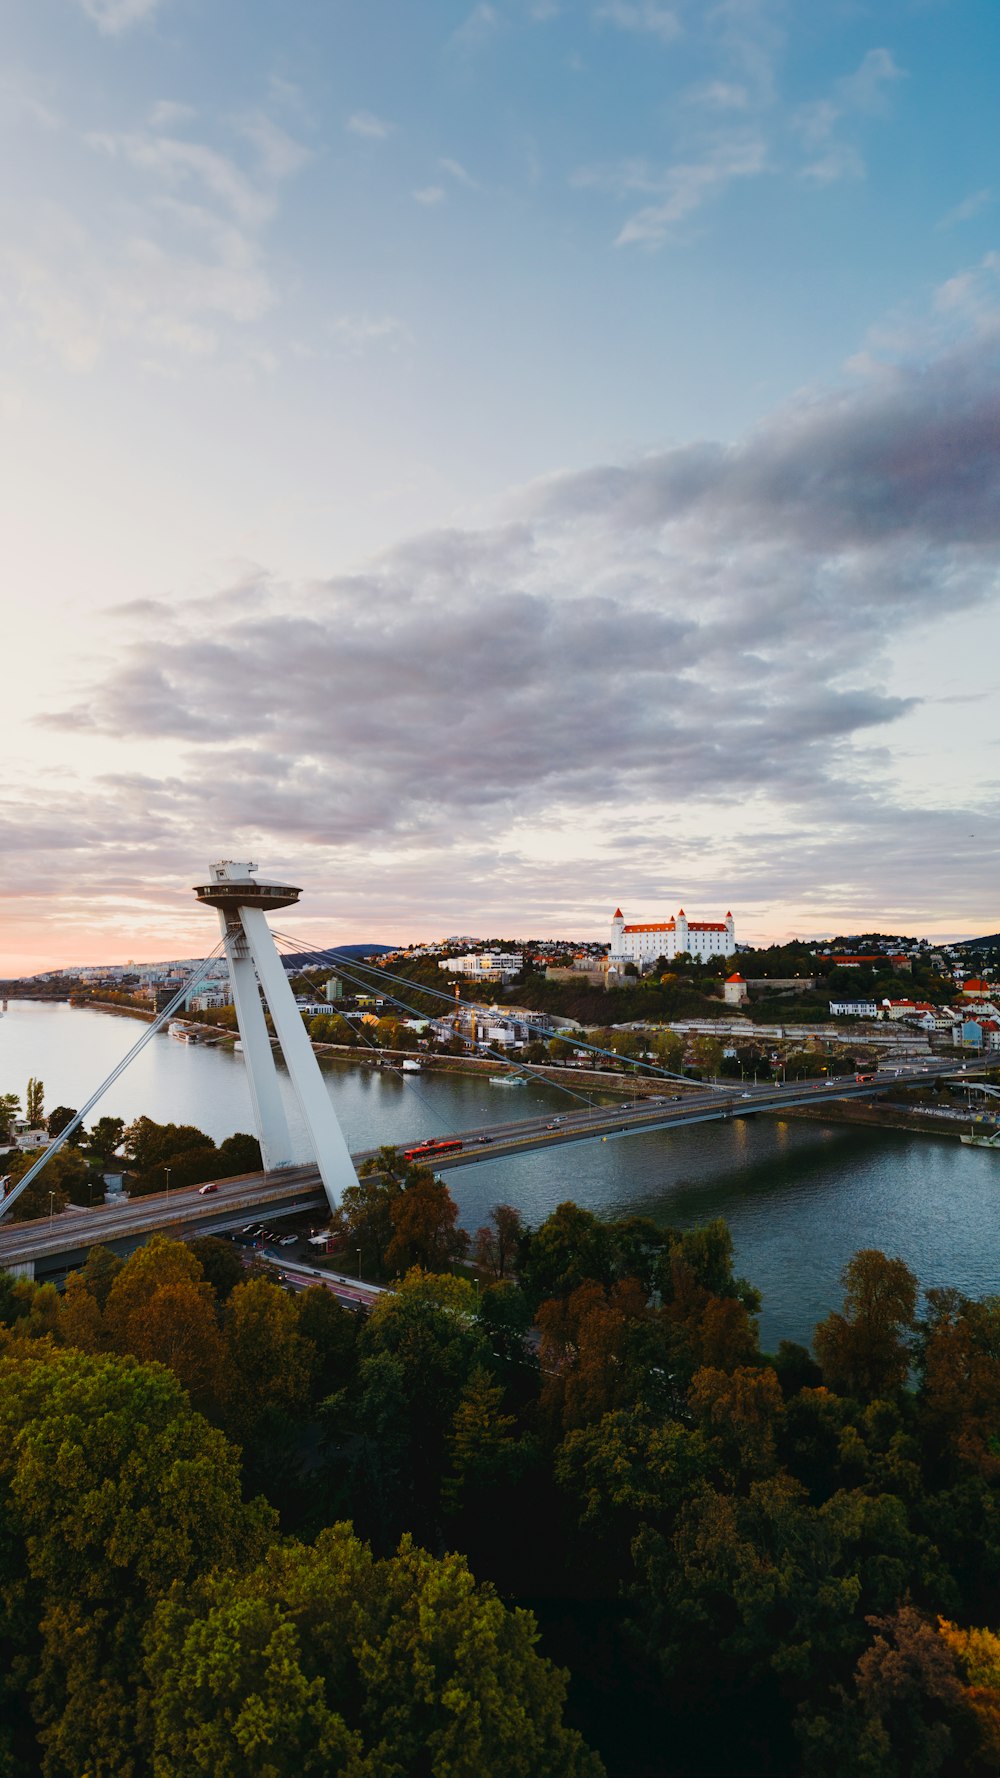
(571, 1246)
(34, 1102)
(106, 1138)
(866, 1351)
(271, 1363)
(10, 1110)
(57, 1120)
(418, 1348)
(220, 1263)
(113, 1488)
(324, 1663)
(239, 1153)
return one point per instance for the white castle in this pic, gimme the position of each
(643, 943)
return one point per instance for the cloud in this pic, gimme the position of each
(680, 190)
(819, 123)
(641, 17)
(719, 95)
(23, 100)
(867, 88)
(169, 114)
(477, 30)
(692, 649)
(430, 195)
(973, 205)
(189, 261)
(113, 16)
(360, 331)
(365, 123)
(458, 173)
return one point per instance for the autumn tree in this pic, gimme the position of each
(866, 1350)
(498, 1241)
(425, 1228)
(959, 1357)
(911, 1708)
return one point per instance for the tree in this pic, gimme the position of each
(113, 1489)
(271, 1363)
(570, 1246)
(425, 1228)
(50, 1192)
(159, 1262)
(333, 1332)
(418, 1348)
(497, 1242)
(57, 1120)
(364, 1216)
(240, 1153)
(482, 1447)
(739, 1414)
(99, 1272)
(668, 1048)
(10, 1110)
(220, 1263)
(34, 1102)
(960, 1399)
(178, 1328)
(106, 1138)
(910, 1710)
(707, 1055)
(866, 1351)
(325, 1661)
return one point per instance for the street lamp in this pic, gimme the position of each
(167, 1172)
(359, 1265)
(52, 1200)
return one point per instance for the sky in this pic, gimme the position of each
(490, 463)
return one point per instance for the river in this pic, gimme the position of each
(800, 1197)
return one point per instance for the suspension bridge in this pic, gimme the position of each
(50, 1247)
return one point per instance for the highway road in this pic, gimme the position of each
(53, 1245)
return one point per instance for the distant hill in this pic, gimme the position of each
(979, 944)
(302, 959)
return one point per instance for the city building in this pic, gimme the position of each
(642, 943)
(853, 1009)
(486, 966)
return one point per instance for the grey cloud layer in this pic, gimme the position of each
(708, 622)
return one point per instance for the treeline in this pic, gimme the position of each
(779, 1564)
(152, 1157)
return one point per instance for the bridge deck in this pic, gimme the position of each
(52, 1246)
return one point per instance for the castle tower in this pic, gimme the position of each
(252, 957)
(618, 934)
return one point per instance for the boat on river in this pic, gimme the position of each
(507, 1080)
(411, 1067)
(980, 1139)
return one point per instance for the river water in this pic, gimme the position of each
(800, 1197)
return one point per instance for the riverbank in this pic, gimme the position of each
(880, 1117)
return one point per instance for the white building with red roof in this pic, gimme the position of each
(643, 942)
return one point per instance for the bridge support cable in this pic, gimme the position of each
(522, 1067)
(335, 960)
(150, 1032)
(413, 1088)
(531, 1070)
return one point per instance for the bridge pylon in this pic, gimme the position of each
(254, 969)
